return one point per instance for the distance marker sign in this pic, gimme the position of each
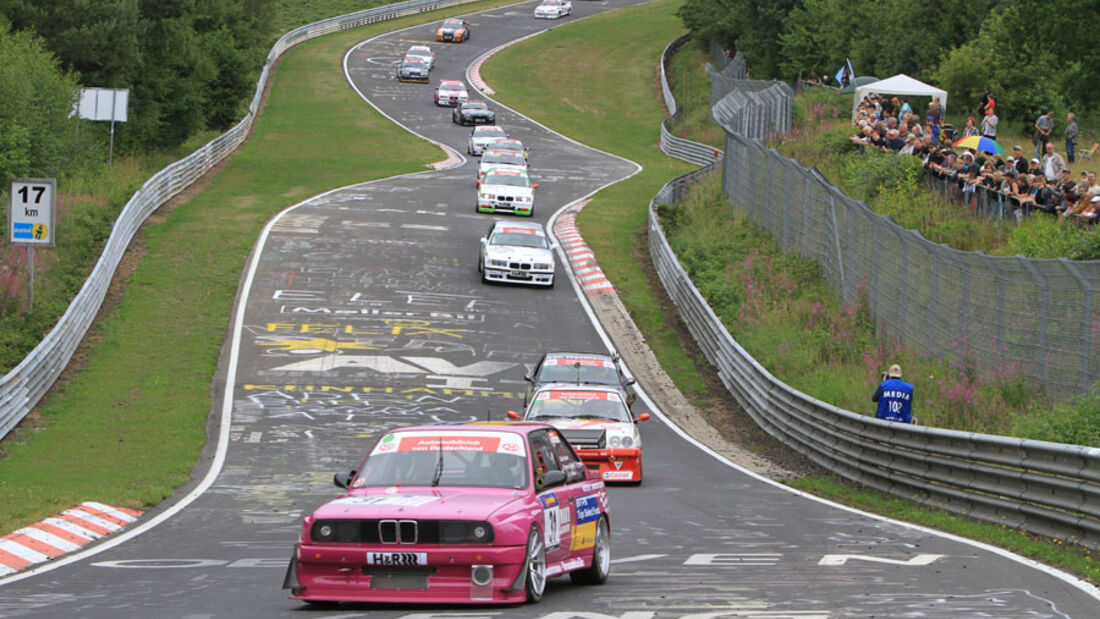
(31, 211)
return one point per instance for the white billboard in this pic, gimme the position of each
(104, 104)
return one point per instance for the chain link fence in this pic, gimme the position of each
(1034, 317)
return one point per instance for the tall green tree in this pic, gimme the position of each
(751, 26)
(37, 134)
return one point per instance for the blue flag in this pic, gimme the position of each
(847, 66)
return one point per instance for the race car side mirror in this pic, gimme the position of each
(479, 182)
(642, 417)
(343, 479)
(535, 186)
(631, 380)
(549, 479)
(513, 415)
(528, 378)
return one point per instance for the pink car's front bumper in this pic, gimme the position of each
(339, 573)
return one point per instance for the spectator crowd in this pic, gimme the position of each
(1042, 182)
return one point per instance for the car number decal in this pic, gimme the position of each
(552, 520)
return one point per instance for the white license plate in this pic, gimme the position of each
(521, 274)
(397, 558)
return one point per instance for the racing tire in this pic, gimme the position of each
(534, 581)
(597, 573)
(638, 482)
(320, 604)
(552, 280)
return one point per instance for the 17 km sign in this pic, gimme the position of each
(31, 211)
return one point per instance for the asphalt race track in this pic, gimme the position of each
(364, 311)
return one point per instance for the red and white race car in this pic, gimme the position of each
(450, 93)
(598, 424)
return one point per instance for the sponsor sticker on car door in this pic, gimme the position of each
(588, 515)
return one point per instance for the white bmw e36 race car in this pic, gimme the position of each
(518, 253)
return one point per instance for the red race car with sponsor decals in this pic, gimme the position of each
(476, 513)
(597, 422)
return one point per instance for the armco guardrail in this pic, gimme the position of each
(691, 152)
(24, 386)
(1045, 488)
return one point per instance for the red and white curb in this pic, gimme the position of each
(585, 268)
(67, 532)
(475, 77)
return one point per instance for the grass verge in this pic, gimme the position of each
(127, 428)
(573, 64)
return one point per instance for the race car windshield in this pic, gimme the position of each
(489, 132)
(569, 408)
(505, 158)
(474, 106)
(507, 179)
(412, 65)
(452, 23)
(518, 239)
(589, 374)
(460, 469)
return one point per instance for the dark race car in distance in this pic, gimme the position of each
(473, 113)
(413, 69)
(580, 369)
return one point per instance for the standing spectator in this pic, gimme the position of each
(989, 125)
(905, 109)
(1044, 125)
(1071, 137)
(984, 101)
(935, 112)
(1053, 164)
(970, 128)
(894, 397)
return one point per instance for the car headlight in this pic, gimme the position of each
(465, 532)
(498, 263)
(484, 196)
(335, 531)
(616, 441)
(542, 266)
(628, 442)
(523, 199)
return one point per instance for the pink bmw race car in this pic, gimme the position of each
(477, 513)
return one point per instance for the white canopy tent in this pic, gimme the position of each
(900, 84)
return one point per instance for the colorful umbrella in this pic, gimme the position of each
(981, 143)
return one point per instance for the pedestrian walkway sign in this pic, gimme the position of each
(31, 210)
